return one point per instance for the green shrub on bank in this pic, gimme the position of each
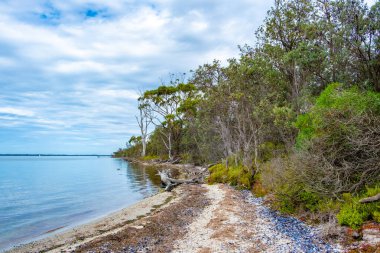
(279, 176)
(292, 195)
(295, 198)
(236, 175)
(336, 144)
(333, 110)
(150, 157)
(258, 188)
(354, 214)
(186, 158)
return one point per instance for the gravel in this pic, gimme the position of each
(303, 238)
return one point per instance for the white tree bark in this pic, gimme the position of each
(143, 121)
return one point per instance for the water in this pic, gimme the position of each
(42, 194)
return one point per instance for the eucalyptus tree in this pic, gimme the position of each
(314, 43)
(360, 26)
(284, 39)
(167, 107)
(143, 120)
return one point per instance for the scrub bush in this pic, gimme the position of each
(235, 175)
(354, 214)
(338, 141)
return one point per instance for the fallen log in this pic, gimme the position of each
(370, 199)
(169, 182)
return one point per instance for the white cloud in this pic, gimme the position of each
(16, 111)
(127, 94)
(65, 76)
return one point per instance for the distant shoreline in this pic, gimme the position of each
(52, 155)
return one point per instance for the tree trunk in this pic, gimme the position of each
(143, 152)
(170, 147)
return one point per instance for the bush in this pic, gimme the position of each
(291, 194)
(258, 189)
(236, 175)
(295, 199)
(337, 144)
(150, 157)
(269, 150)
(218, 174)
(186, 158)
(354, 214)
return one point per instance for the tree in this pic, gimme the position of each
(167, 106)
(143, 121)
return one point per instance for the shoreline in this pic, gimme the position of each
(196, 218)
(56, 239)
(69, 238)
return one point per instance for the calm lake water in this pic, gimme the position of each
(40, 194)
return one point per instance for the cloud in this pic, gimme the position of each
(16, 111)
(71, 71)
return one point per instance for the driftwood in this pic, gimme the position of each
(370, 199)
(170, 183)
(210, 165)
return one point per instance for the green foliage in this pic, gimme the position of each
(295, 198)
(335, 101)
(258, 188)
(376, 216)
(328, 207)
(269, 150)
(119, 153)
(236, 175)
(186, 157)
(336, 143)
(150, 157)
(218, 174)
(354, 214)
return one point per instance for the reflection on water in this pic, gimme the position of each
(42, 194)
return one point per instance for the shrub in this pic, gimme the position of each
(269, 150)
(337, 143)
(309, 200)
(186, 158)
(376, 216)
(258, 189)
(150, 157)
(295, 198)
(354, 214)
(291, 194)
(236, 175)
(218, 174)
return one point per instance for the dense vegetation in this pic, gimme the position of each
(296, 116)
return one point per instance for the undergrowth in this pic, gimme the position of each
(235, 175)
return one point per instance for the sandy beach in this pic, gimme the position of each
(192, 218)
(112, 223)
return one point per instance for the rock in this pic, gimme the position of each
(371, 233)
(355, 235)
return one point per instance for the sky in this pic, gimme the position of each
(71, 71)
